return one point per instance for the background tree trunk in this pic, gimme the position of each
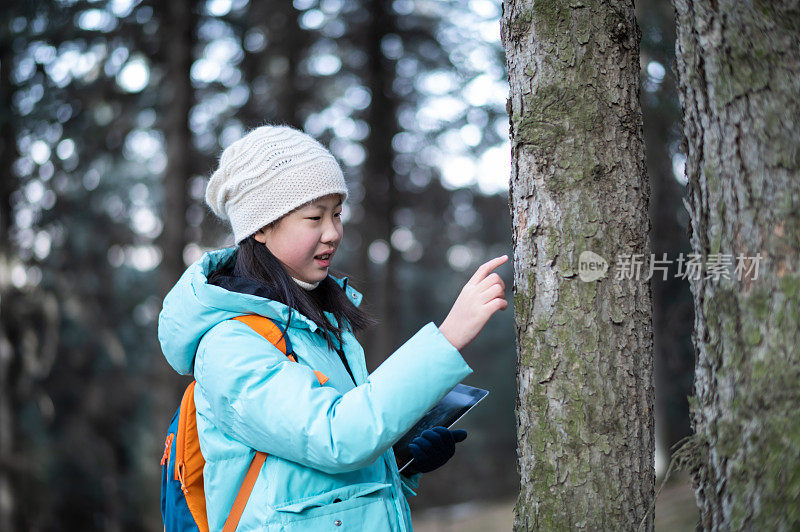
(380, 200)
(180, 23)
(739, 69)
(8, 428)
(579, 183)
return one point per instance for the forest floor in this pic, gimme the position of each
(675, 511)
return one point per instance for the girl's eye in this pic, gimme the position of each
(318, 217)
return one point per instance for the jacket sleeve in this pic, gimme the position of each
(260, 398)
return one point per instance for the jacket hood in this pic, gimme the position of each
(194, 306)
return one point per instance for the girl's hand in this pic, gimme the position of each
(433, 448)
(481, 297)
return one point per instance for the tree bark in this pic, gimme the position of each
(585, 349)
(739, 70)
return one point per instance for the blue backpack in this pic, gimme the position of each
(183, 501)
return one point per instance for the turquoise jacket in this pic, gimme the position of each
(330, 464)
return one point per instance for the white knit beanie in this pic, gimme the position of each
(268, 173)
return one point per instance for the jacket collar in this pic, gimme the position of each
(193, 307)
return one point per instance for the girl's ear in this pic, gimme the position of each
(261, 235)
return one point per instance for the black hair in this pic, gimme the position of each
(254, 262)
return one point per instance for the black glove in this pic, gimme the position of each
(433, 448)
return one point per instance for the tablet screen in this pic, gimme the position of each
(445, 413)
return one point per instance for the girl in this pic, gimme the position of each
(330, 463)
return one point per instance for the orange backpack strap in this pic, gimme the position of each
(267, 328)
(189, 461)
(244, 492)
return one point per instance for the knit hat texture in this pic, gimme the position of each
(268, 173)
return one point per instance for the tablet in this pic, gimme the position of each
(445, 413)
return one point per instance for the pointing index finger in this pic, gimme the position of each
(486, 268)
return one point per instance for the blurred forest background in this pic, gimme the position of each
(114, 114)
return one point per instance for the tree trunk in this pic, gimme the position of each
(279, 95)
(578, 184)
(380, 200)
(179, 23)
(8, 183)
(179, 27)
(739, 70)
(672, 300)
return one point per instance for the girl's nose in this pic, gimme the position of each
(331, 232)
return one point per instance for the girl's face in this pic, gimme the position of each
(298, 238)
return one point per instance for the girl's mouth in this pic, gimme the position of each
(323, 262)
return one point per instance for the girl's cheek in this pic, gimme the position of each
(301, 246)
